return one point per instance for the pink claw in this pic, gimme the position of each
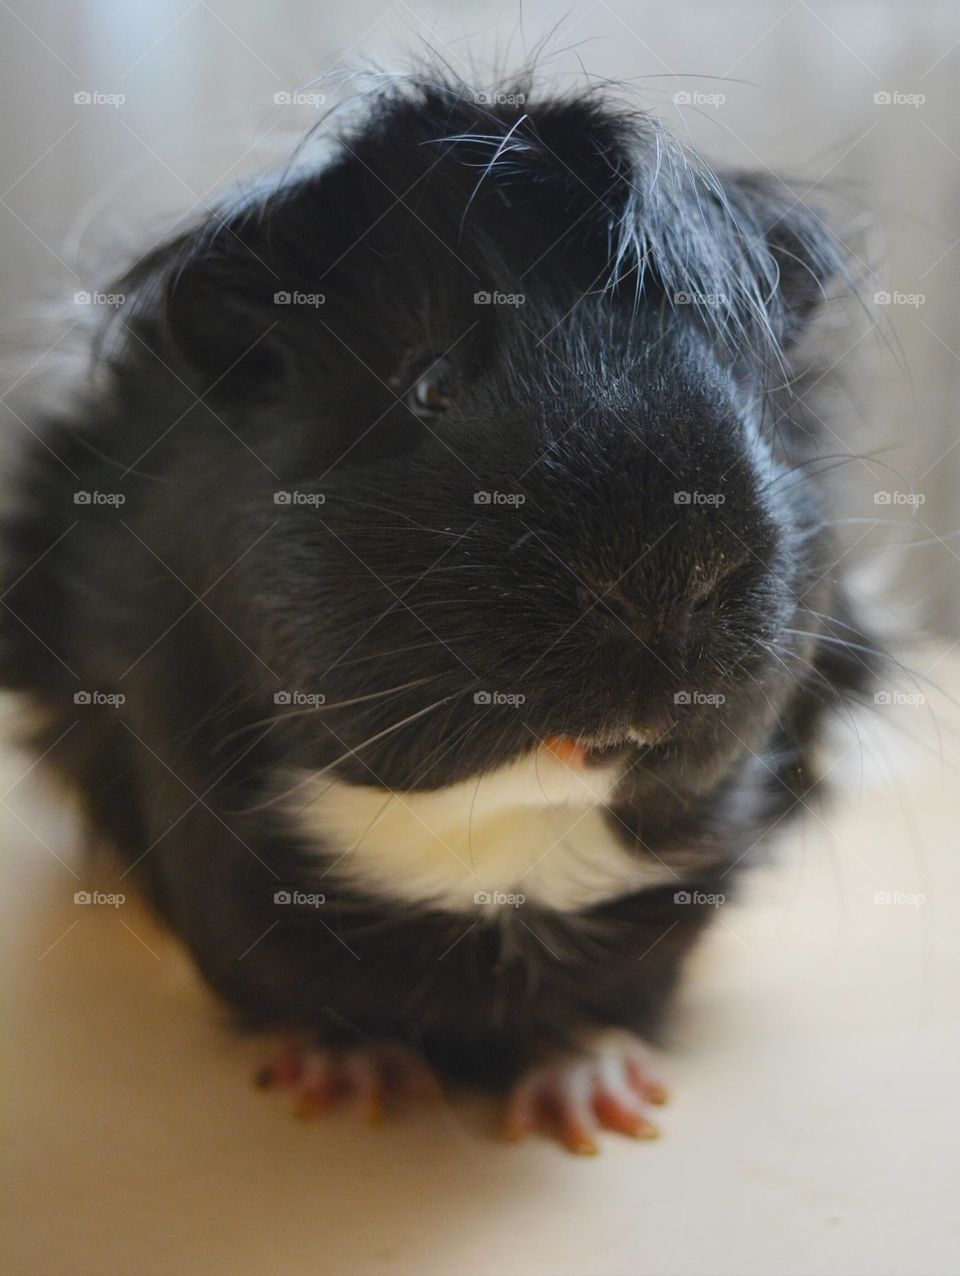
(373, 1077)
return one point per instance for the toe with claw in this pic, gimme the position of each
(574, 1097)
(373, 1078)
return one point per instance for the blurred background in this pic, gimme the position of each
(124, 117)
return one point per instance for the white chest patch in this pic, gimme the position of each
(532, 831)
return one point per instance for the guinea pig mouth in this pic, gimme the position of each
(585, 751)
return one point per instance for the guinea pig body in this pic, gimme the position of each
(433, 601)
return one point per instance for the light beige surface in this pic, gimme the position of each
(814, 1126)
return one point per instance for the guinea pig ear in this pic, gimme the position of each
(208, 303)
(795, 256)
(739, 253)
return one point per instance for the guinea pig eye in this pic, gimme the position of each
(429, 396)
(706, 593)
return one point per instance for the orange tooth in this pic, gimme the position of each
(565, 749)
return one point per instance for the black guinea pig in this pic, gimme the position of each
(432, 598)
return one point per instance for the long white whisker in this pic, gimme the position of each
(288, 793)
(322, 708)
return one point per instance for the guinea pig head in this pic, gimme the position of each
(506, 371)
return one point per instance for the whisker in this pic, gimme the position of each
(380, 735)
(395, 513)
(387, 655)
(837, 459)
(829, 695)
(306, 710)
(914, 677)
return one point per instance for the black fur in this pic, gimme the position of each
(599, 598)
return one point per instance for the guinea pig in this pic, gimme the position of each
(432, 597)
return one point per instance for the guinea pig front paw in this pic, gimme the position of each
(607, 1086)
(373, 1078)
